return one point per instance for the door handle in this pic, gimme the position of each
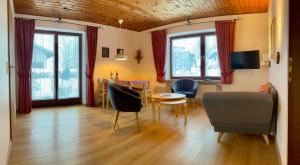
(7, 68)
(290, 69)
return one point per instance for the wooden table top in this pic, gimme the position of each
(168, 96)
(134, 84)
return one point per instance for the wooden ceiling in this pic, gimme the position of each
(138, 15)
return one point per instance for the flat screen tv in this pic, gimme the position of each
(245, 60)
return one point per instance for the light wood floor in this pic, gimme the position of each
(80, 135)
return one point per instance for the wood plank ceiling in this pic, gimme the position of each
(138, 15)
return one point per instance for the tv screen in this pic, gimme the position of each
(245, 60)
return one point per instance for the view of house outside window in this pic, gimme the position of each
(212, 67)
(42, 76)
(187, 57)
(45, 61)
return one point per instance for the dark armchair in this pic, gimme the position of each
(124, 100)
(187, 87)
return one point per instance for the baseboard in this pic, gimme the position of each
(277, 152)
(8, 151)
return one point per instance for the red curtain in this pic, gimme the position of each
(92, 38)
(159, 40)
(225, 31)
(24, 46)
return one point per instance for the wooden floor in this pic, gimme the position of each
(80, 135)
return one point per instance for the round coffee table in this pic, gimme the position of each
(173, 99)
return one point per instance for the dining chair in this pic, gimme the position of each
(102, 92)
(147, 92)
(143, 88)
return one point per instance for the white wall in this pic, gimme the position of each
(251, 34)
(4, 97)
(114, 38)
(278, 73)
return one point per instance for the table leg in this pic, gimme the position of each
(103, 99)
(177, 109)
(185, 114)
(146, 98)
(153, 109)
(107, 102)
(158, 120)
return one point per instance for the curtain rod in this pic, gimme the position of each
(191, 23)
(60, 20)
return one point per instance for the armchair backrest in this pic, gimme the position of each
(124, 99)
(184, 85)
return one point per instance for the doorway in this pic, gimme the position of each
(56, 69)
(294, 81)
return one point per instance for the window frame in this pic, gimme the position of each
(202, 54)
(56, 101)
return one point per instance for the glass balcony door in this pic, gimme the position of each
(43, 67)
(56, 68)
(68, 67)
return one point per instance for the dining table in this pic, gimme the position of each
(141, 86)
(138, 84)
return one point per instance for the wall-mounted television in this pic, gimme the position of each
(245, 60)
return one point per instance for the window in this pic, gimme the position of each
(56, 68)
(43, 67)
(195, 56)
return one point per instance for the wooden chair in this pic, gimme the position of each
(147, 92)
(102, 92)
(144, 90)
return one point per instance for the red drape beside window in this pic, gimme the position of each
(159, 40)
(225, 31)
(92, 38)
(24, 46)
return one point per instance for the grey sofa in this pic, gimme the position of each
(242, 112)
